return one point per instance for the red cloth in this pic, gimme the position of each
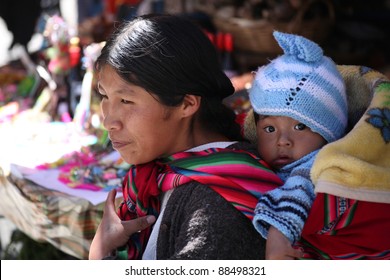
(340, 228)
(112, 5)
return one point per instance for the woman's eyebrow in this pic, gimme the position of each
(120, 91)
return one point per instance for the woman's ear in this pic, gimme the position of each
(191, 104)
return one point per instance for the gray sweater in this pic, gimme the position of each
(199, 224)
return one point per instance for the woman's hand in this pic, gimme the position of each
(278, 247)
(112, 232)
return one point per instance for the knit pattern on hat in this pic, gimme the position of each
(302, 84)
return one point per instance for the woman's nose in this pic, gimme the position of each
(110, 122)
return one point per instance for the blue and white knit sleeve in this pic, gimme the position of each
(287, 207)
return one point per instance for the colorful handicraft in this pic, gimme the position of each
(88, 171)
(63, 53)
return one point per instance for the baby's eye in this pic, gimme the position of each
(300, 126)
(269, 129)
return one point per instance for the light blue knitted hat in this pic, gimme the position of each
(302, 84)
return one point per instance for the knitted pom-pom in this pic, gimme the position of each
(298, 46)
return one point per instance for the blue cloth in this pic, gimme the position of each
(287, 207)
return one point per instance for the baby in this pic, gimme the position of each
(300, 105)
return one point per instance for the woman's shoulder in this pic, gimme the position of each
(196, 204)
(195, 194)
(245, 146)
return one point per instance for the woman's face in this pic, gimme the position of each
(140, 128)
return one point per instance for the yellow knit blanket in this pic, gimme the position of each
(358, 165)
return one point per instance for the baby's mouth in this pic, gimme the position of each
(282, 161)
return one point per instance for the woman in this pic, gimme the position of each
(162, 90)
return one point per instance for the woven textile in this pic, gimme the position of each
(67, 222)
(237, 176)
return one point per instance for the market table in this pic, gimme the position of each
(34, 199)
(65, 221)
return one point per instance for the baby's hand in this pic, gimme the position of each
(278, 247)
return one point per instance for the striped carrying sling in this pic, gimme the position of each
(236, 175)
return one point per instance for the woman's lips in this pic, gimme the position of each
(117, 145)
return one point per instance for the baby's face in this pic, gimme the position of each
(283, 140)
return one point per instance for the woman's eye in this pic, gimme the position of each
(101, 96)
(126, 101)
(269, 129)
(300, 126)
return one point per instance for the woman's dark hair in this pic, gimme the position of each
(170, 57)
